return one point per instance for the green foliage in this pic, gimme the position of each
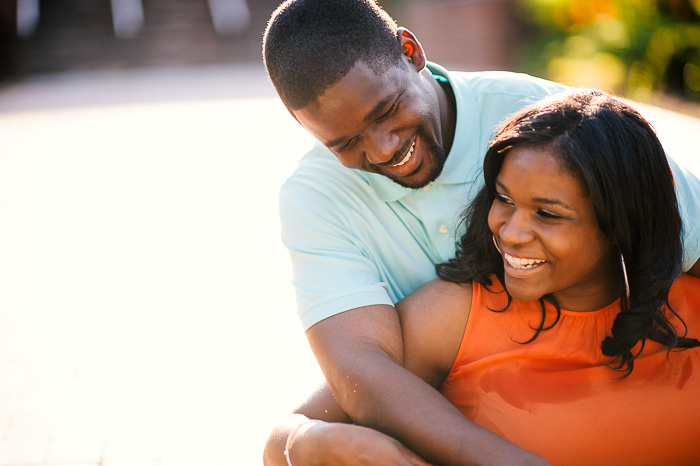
(635, 47)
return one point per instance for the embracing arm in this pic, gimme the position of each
(432, 323)
(695, 270)
(361, 354)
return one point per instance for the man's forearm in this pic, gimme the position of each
(385, 396)
(360, 352)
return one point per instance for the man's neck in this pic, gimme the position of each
(448, 111)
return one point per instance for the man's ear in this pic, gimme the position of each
(411, 47)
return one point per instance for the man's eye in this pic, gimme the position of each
(346, 146)
(389, 112)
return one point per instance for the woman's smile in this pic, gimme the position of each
(521, 263)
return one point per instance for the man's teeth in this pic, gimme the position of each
(408, 155)
(522, 263)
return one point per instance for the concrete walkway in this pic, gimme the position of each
(146, 311)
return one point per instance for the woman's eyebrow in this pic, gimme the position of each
(541, 200)
(544, 200)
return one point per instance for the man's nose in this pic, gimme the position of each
(382, 146)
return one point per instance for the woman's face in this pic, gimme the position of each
(548, 233)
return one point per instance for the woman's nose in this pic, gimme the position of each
(516, 229)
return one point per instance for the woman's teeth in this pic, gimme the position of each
(408, 155)
(521, 263)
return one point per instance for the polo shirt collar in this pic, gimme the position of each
(457, 166)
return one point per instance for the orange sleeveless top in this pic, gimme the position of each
(555, 396)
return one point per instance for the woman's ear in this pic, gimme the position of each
(411, 47)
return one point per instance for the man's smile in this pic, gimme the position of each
(408, 155)
(392, 128)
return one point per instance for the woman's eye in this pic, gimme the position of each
(548, 214)
(504, 199)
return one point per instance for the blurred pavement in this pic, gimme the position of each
(146, 312)
(147, 315)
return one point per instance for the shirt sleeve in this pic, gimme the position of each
(688, 194)
(675, 133)
(332, 271)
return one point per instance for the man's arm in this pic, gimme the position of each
(695, 269)
(361, 354)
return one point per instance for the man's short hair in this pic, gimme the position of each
(309, 45)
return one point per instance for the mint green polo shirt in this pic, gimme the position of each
(358, 239)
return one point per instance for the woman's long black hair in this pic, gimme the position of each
(618, 158)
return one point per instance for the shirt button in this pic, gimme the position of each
(427, 187)
(443, 229)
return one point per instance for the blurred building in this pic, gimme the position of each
(466, 35)
(47, 36)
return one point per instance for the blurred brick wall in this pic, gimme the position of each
(466, 34)
(9, 42)
(79, 35)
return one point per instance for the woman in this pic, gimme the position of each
(563, 324)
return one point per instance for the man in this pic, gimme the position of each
(376, 204)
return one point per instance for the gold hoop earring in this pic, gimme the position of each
(624, 274)
(495, 243)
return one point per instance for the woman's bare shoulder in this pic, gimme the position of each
(433, 320)
(448, 290)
